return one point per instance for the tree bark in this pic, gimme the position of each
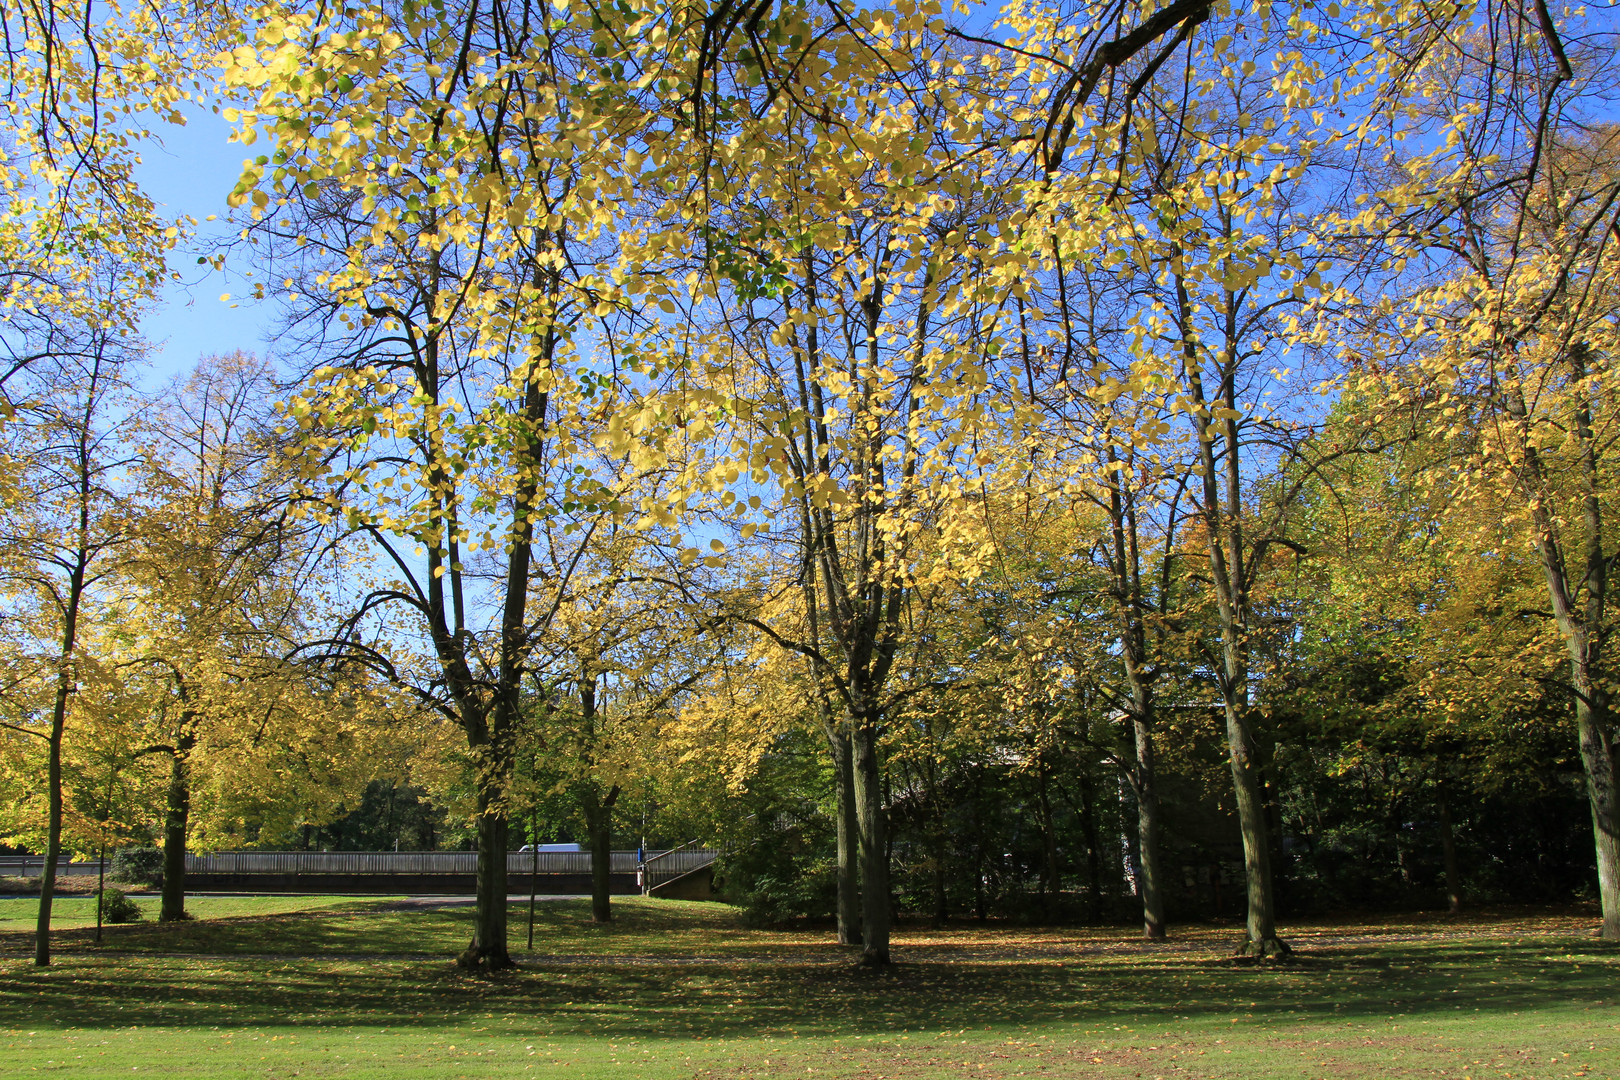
(488, 947)
(487, 950)
(1134, 606)
(849, 897)
(176, 825)
(873, 843)
(1261, 919)
(53, 825)
(1219, 491)
(1603, 794)
(1150, 880)
(979, 912)
(1578, 585)
(1448, 851)
(1049, 852)
(939, 845)
(1088, 825)
(599, 824)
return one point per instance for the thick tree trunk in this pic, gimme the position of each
(1261, 923)
(1150, 881)
(487, 950)
(1448, 852)
(849, 897)
(176, 825)
(873, 843)
(599, 824)
(1603, 793)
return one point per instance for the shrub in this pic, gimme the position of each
(118, 908)
(138, 866)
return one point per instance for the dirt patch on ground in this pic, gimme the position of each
(67, 885)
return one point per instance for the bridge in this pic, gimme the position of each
(686, 872)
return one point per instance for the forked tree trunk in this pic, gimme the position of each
(1220, 493)
(873, 843)
(1126, 571)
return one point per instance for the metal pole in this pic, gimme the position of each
(534, 869)
(101, 884)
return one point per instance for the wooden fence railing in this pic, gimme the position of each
(660, 866)
(400, 862)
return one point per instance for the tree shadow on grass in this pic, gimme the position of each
(365, 927)
(694, 997)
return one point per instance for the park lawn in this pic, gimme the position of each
(72, 912)
(682, 990)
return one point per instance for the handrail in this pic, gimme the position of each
(683, 860)
(653, 866)
(665, 854)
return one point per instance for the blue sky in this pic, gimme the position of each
(190, 172)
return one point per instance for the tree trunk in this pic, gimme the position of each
(1049, 852)
(1150, 881)
(101, 884)
(873, 843)
(599, 824)
(176, 825)
(1448, 851)
(978, 845)
(939, 845)
(1222, 513)
(53, 826)
(849, 897)
(487, 950)
(1261, 922)
(1603, 793)
(1088, 825)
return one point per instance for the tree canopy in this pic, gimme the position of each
(953, 439)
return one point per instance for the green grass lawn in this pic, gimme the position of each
(361, 988)
(78, 912)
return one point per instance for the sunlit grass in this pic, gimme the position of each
(78, 912)
(352, 988)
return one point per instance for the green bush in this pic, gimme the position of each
(781, 876)
(118, 908)
(138, 866)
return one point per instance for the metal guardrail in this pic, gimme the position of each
(34, 866)
(660, 866)
(671, 864)
(398, 862)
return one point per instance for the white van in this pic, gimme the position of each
(551, 847)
